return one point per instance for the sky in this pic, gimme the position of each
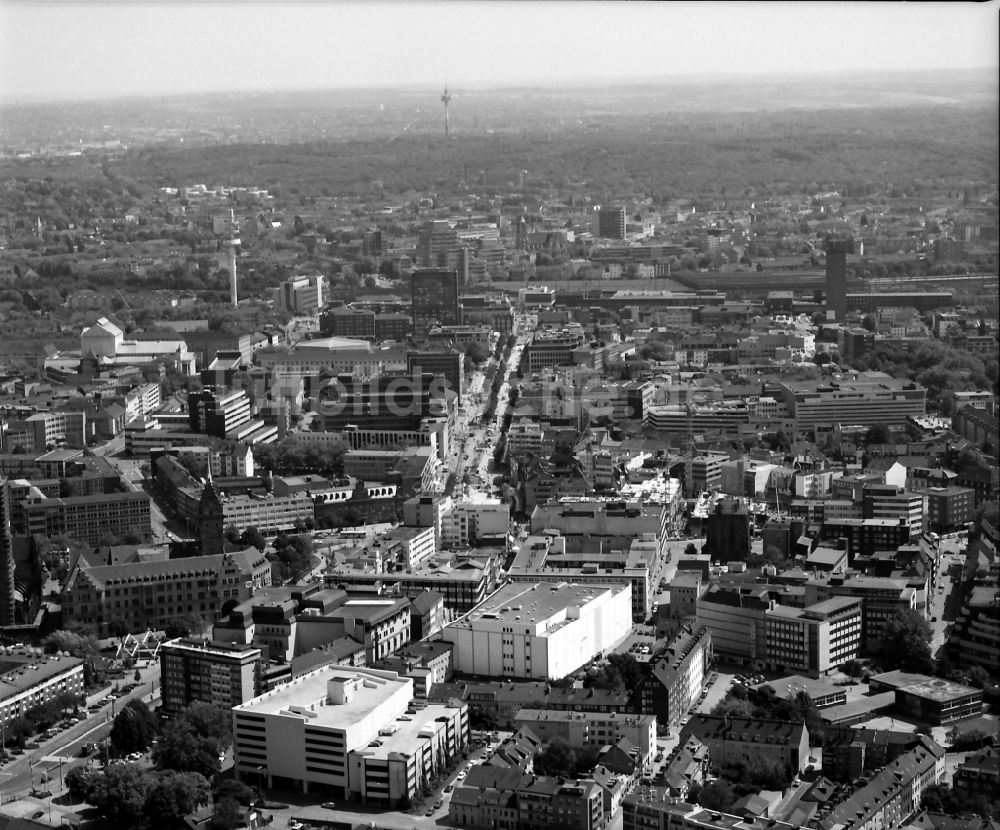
(57, 50)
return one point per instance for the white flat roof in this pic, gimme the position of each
(309, 691)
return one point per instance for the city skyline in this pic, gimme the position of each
(54, 50)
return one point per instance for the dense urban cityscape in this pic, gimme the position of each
(502, 460)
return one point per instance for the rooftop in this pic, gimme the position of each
(309, 692)
(536, 602)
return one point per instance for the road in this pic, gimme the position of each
(130, 470)
(942, 604)
(56, 756)
(473, 443)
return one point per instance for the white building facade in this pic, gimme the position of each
(540, 631)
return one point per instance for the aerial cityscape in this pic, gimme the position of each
(397, 433)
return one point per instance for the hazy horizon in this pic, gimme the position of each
(54, 51)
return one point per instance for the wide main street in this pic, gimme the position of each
(43, 769)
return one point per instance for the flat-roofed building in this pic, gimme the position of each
(950, 508)
(28, 680)
(814, 640)
(932, 700)
(464, 580)
(348, 732)
(875, 398)
(822, 693)
(207, 671)
(975, 636)
(585, 560)
(347, 321)
(735, 616)
(882, 597)
(885, 501)
(541, 630)
(90, 518)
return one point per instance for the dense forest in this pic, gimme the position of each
(911, 151)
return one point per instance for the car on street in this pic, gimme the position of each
(328, 805)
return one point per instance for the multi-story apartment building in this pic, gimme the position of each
(494, 798)
(540, 631)
(592, 729)
(750, 740)
(893, 794)
(525, 437)
(975, 637)
(90, 518)
(676, 678)
(885, 501)
(882, 597)
(349, 732)
(29, 680)
(224, 674)
(978, 775)
(42, 431)
(950, 508)
(865, 537)
(813, 640)
(148, 594)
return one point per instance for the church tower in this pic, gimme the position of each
(211, 519)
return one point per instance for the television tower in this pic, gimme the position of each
(446, 99)
(231, 241)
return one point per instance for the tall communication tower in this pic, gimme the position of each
(225, 226)
(233, 242)
(446, 99)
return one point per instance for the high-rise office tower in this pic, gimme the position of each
(435, 299)
(836, 276)
(6, 558)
